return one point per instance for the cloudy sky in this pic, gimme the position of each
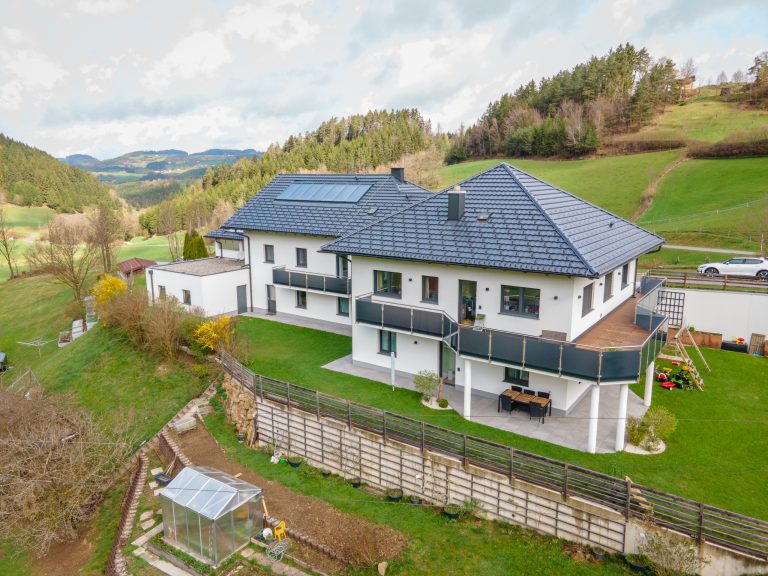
(104, 77)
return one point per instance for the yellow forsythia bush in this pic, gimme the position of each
(108, 287)
(214, 333)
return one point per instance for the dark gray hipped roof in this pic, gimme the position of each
(222, 234)
(532, 226)
(266, 212)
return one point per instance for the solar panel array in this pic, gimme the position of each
(324, 192)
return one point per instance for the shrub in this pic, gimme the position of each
(126, 312)
(189, 324)
(635, 430)
(162, 323)
(107, 288)
(443, 403)
(200, 371)
(660, 421)
(215, 333)
(671, 556)
(426, 383)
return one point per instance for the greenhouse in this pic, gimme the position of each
(210, 514)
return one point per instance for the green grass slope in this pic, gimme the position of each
(615, 183)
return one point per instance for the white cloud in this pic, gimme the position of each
(103, 6)
(95, 76)
(13, 35)
(200, 53)
(31, 77)
(11, 95)
(279, 24)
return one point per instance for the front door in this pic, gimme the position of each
(447, 364)
(467, 301)
(242, 299)
(271, 301)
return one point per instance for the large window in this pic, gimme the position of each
(586, 299)
(301, 299)
(342, 306)
(429, 289)
(520, 301)
(186, 297)
(387, 342)
(516, 376)
(301, 257)
(227, 244)
(162, 292)
(608, 288)
(625, 275)
(269, 253)
(342, 266)
(387, 283)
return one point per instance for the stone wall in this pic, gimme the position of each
(240, 406)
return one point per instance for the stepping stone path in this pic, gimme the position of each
(247, 552)
(146, 516)
(156, 471)
(147, 524)
(153, 485)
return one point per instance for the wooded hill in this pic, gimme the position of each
(31, 177)
(357, 143)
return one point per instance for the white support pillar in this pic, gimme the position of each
(594, 407)
(467, 389)
(621, 421)
(649, 375)
(392, 372)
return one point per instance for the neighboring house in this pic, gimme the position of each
(290, 219)
(503, 280)
(217, 285)
(129, 268)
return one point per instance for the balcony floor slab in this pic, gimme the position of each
(615, 330)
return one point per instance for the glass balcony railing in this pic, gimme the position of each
(309, 281)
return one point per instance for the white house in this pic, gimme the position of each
(505, 280)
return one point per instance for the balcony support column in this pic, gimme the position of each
(467, 389)
(649, 374)
(621, 420)
(594, 407)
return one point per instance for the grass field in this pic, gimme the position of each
(26, 218)
(714, 438)
(685, 210)
(615, 183)
(154, 248)
(678, 259)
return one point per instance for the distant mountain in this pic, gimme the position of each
(31, 177)
(80, 160)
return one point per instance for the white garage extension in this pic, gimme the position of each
(216, 285)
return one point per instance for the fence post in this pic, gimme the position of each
(349, 414)
(261, 386)
(565, 482)
(628, 495)
(700, 535)
(465, 450)
(253, 383)
(511, 464)
(422, 437)
(384, 418)
(288, 387)
(317, 405)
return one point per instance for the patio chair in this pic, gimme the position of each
(517, 388)
(506, 403)
(543, 394)
(537, 411)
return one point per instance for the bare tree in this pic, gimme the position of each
(688, 69)
(572, 114)
(66, 254)
(105, 231)
(168, 225)
(55, 463)
(738, 76)
(722, 78)
(7, 242)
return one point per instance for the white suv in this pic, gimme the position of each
(742, 266)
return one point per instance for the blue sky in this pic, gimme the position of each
(104, 77)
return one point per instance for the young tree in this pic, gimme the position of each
(67, 254)
(759, 69)
(7, 242)
(687, 69)
(738, 76)
(722, 78)
(167, 224)
(105, 231)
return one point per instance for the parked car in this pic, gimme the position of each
(743, 266)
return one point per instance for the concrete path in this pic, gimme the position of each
(344, 330)
(570, 431)
(705, 249)
(163, 565)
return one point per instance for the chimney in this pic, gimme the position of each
(456, 203)
(398, 174)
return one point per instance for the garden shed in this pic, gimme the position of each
(210, 514)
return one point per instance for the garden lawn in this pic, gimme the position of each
(153, 248)
(437, 545)
(614, 183)
(716, 455)
(685, 210)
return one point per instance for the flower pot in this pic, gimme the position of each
(356, 482)
(325, 473)
(599, 555)
(451, 512)
(394, 495)
(415, 500)
(295, 461)
(241, 438)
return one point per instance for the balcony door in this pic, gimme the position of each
(271, 299)
(467, 301)
(342, 266)
(447, 364)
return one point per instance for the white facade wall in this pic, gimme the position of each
(414, 353)
(222, 252)
(732, 314)
(215, 293)
(600, 305)
(320, 306)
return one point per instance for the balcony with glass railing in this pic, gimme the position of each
(303, 280)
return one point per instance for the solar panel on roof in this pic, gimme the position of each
(325, 192)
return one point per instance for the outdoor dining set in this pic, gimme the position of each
(539, 404)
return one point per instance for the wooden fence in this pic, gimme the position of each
(732, 531)
(677, 279)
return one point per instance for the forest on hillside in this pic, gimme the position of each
(31, 177)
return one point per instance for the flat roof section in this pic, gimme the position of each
(204, 266)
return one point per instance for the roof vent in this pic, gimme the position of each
(484, 217)
(398, 174)
(456, 203)
(372, 211)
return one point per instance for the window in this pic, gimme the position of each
(516, 376)
(162, 292)
(586, 299)
(387, 342)
(520, 301)
(342, 266)
(230, 244)
(301, 299)
(186, 297)
(429, 289)
(625, 275)
(387, 283)
(608, 287)
(269, 253)
(301, 257)
(342, 306)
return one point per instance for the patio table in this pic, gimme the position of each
(527, 399)
(509, 393)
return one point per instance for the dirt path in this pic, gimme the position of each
(649, 194)
(67, 558)
(353, 538)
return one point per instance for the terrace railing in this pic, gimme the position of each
(732, 531)
(618, 364)
(310, 281)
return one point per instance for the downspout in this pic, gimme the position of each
(250, 272)
(152, 285)
(634, 284)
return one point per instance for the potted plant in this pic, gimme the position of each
(452, 511)
(394, 494)
(414, 499)
(325, 472)
(356, 482)
(295, 461)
